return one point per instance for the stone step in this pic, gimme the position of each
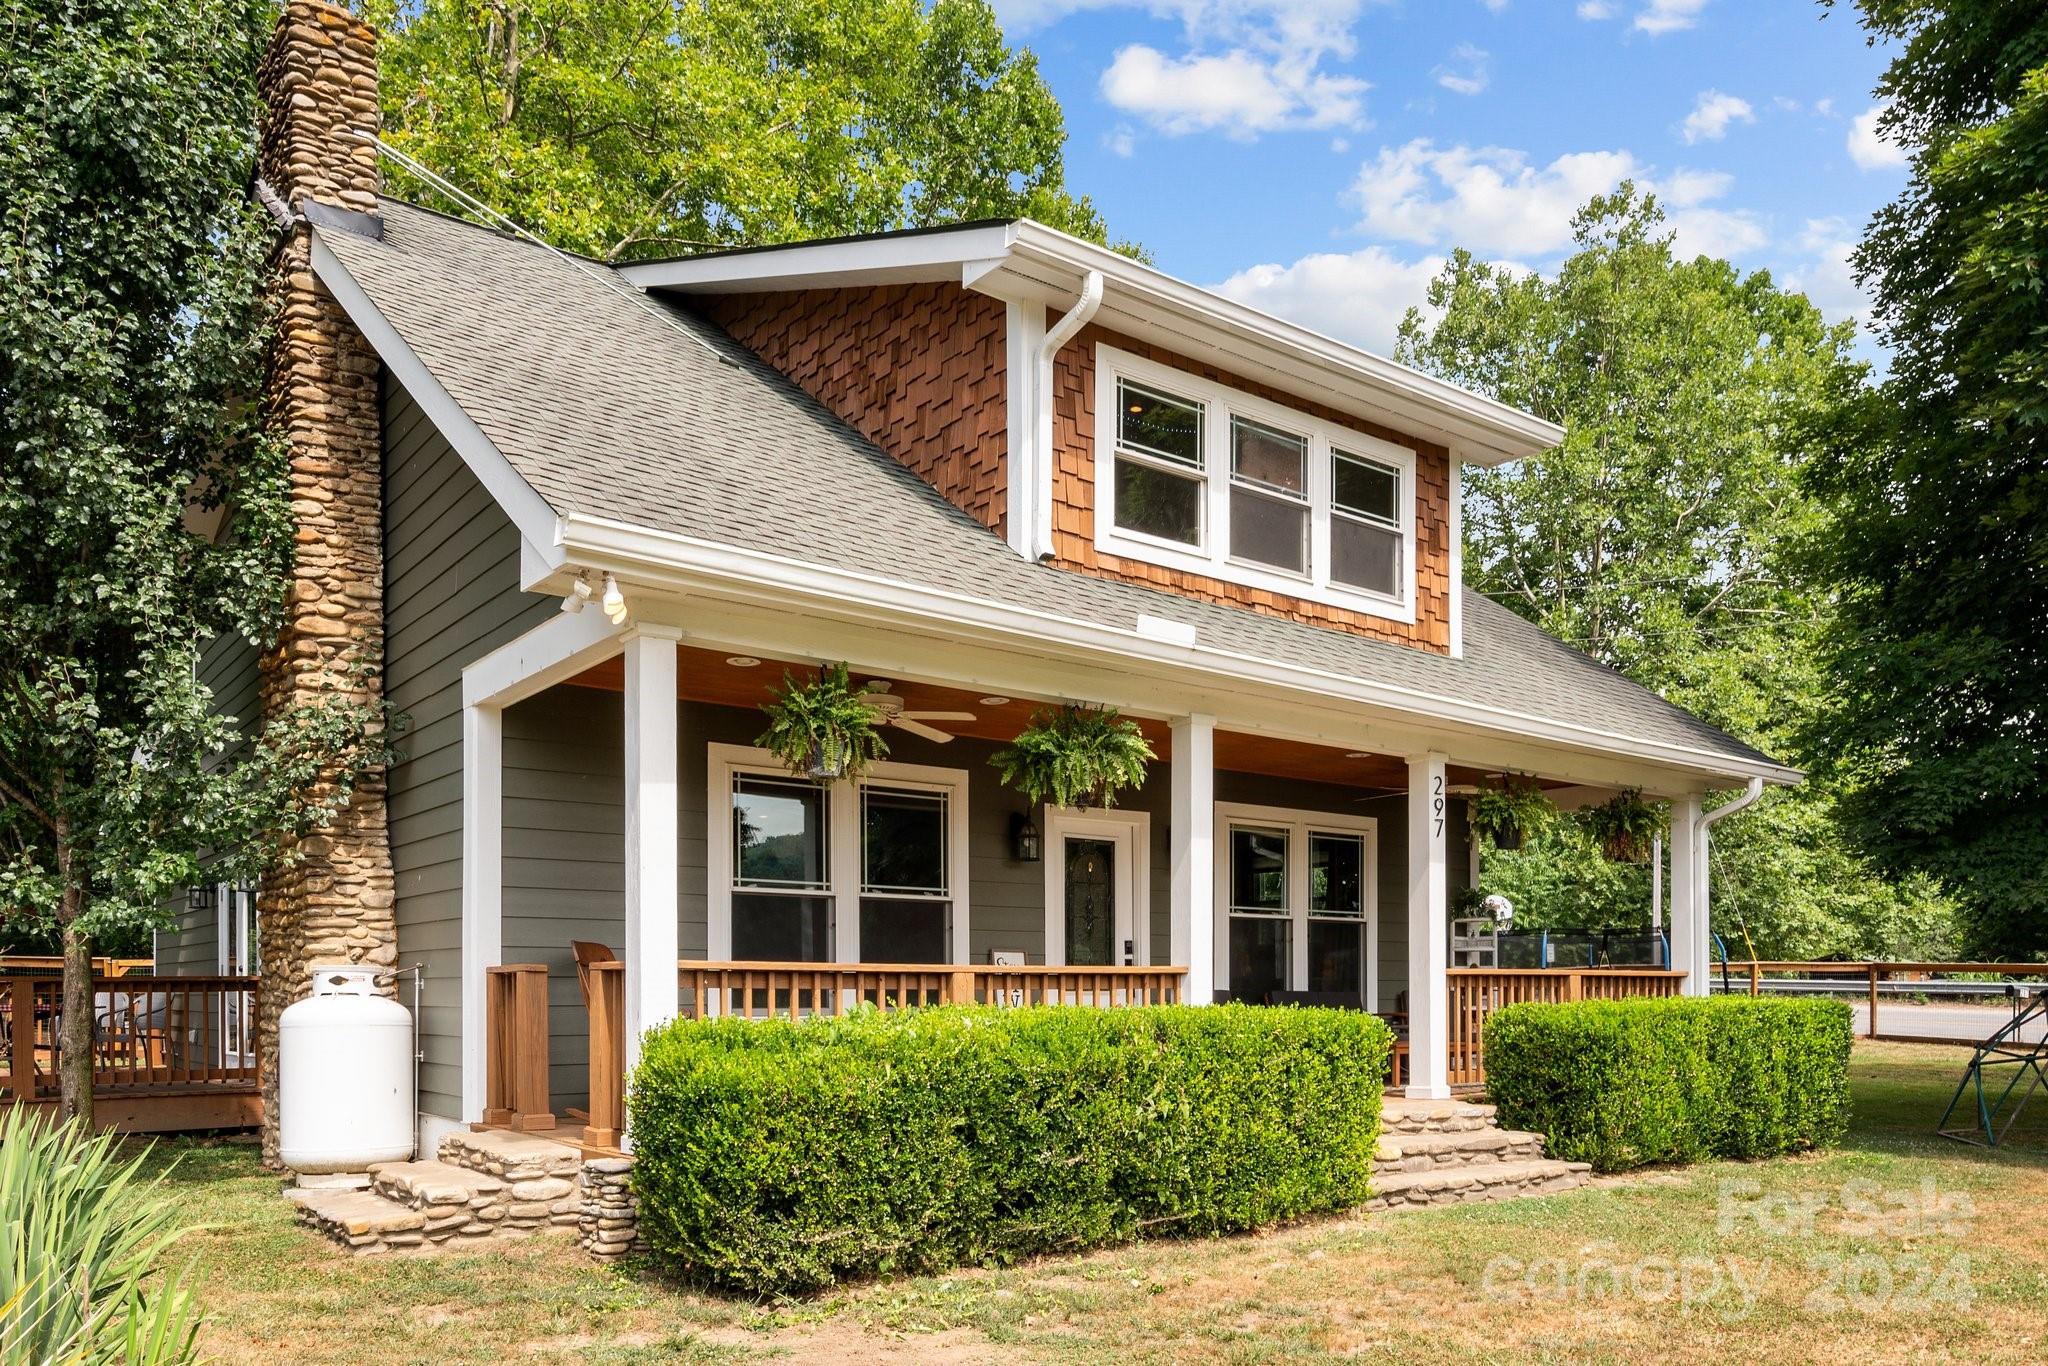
(332, 1181)
(440, 1186)
(1408, 1152)
(361, 1221)
(1484, 1181)
(1400, 1114)
(515, 1157)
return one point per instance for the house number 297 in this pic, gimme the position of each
(1436, 802)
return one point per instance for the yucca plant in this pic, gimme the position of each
(81, 1236)
(825, 728)
(1075, 756)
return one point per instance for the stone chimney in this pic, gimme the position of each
(319, 85)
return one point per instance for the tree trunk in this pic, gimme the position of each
(74, 1043)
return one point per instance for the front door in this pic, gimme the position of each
(1094, 873)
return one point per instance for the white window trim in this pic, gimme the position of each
(843, 816)
(1058, 822)
(1299, 825)
(1212, 559)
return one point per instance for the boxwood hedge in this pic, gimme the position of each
(777, 1158)
(1623, 1083)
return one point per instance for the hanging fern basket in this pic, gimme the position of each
(1075, 756)
(1511, 810)
(824, 728)
(1624, 826)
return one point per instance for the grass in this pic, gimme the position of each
(1899, 1246)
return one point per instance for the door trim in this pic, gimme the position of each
(1062, 821)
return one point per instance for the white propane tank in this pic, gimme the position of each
(344, 1075)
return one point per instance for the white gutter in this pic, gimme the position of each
(1702, 885)
(1041, 476)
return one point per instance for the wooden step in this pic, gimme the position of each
(1483, 1181)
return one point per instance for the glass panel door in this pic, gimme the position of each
(1093, 890)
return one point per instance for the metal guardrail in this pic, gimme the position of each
(1872, 980)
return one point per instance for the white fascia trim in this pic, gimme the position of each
(919, 255)
(527, 509)
(657, 555)
(559, 648)
(1456, 605)
(1028, 466)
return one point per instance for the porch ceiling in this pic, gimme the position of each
(708, 676)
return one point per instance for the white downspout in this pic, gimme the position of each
(1706, 822)
(1058, 335)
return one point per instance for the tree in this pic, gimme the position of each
(631, 128)
(1658, 537)
(132, 328)
(1939, 653)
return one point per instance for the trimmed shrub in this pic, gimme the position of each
(1623, 1083)
(779, 1158)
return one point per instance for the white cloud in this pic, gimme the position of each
(1495, 201)
(1245, 67)
(1825, 107)
(1120, 141)
(1668, 16)
(1595, 9)
(1236, 92)
(1471, 72)
(1711, 114)
(1871, 149)
(1495, 5)
(1827, 278)
(1357, 296)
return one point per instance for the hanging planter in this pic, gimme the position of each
(1624, 826)
(823, 729)
(1075, 756)
(1511, 810)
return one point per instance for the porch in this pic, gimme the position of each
(612, 795)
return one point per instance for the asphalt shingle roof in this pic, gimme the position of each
(618, 404)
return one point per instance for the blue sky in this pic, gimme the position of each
(1317, 159)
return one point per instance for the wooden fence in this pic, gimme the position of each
(168, 1052)
(1477, 992)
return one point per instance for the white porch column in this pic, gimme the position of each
(652, 994)
(483, 863)
(1429, 930)
(1688, 895)
(1192, 836)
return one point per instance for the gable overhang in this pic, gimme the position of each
(1159, 656)
(1031, 265)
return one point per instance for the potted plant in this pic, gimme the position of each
(1511, 810)
(825, 728)
(1075, 756)
(1624, 825)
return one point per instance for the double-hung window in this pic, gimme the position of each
(1296, 903)
(811, 872)
(1204, 478)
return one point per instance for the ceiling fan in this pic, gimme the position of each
(888, 710)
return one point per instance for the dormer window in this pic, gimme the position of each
(1215, 481)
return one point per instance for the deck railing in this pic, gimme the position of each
(1477, 992)
(155, 1039)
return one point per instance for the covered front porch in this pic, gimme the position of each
(630, 857)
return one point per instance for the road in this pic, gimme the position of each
(1898, 1019)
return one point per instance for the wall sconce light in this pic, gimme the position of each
(200, 898)
(1024, 842)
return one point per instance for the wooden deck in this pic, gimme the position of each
(169, 1053)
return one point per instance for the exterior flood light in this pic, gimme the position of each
(614, 602)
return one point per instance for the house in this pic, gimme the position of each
(990, 466)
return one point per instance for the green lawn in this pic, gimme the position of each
(1898, 1246)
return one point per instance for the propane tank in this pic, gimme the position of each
(344, 1075)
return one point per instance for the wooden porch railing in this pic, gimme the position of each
(796, 990)
(157, 1041)
(516, 1027)
(1477, 992)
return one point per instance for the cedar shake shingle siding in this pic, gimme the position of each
(917, 369)
(1074, 503)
